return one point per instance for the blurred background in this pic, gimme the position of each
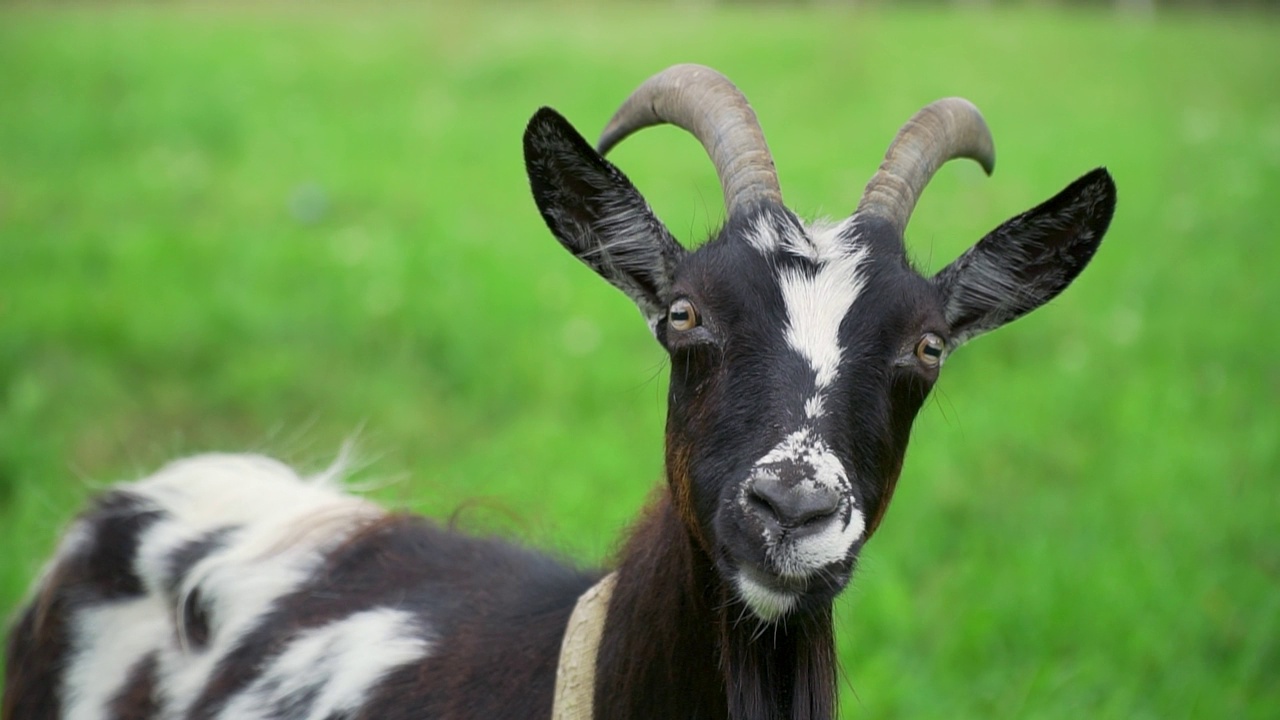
(281, 227)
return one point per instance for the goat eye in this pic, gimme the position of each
(929, 350)
(682, 316)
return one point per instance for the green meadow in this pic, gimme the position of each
(284, 229)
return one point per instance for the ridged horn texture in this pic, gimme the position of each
(944, 130)
(704, 102)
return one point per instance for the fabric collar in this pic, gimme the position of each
(576, 673)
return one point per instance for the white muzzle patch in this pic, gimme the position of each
(804, 456)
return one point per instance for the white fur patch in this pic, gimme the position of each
(816, 305)
(273, 529)
(816, 302)
(278, 527)
(768, 604)
(107, 641)
(813, 407)
(336, 665)
(800, 557)
(762, 235)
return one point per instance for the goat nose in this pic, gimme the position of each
(789, 504)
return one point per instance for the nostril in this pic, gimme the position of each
(815, 508)
(790, 505)
(761, 504)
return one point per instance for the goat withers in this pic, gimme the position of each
(229, 587)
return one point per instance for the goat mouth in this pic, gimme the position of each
(768, 596)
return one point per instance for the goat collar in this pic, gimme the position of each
(576, 673)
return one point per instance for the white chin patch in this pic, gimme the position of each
(768, 604)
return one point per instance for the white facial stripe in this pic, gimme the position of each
(817, 299)
(816, 305)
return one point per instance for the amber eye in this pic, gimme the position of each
(929, 350)
(682, 316)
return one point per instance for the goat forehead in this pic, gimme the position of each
(820, 242)
(801, 309)
(820, 271)
(774, 268)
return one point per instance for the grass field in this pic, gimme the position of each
(276, 229)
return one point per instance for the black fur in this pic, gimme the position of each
(138, 699)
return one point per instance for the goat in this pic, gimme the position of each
(226, 586)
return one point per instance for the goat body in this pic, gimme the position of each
(225, 586)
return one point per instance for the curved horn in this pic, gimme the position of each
(944, 130)
(705, 103)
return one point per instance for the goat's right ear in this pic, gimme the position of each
(598, 215)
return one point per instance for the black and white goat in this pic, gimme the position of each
(228, 587)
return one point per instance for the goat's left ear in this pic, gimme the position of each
(598, 215)
(1028, 260)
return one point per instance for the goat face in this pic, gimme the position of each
(800, 354)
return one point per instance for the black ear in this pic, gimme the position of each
(1028, 260)
(595, 212)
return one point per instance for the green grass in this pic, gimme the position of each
(274, 229)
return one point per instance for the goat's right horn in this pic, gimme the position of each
(944, 130)
(706, 104)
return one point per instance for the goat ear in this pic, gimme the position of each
(1028, 260)
(598, 215)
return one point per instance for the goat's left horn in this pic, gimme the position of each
(944, 130)
(706, 104)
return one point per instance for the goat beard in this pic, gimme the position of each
(782, 670)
